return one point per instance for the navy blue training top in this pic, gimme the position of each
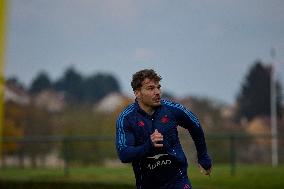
(133, 129)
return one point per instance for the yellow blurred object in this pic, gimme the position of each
(2, 60)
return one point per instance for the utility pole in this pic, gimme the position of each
(273, 107)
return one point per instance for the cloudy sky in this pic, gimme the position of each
(199, 47)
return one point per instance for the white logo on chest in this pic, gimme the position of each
(158, 163)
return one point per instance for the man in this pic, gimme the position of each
(146, 136)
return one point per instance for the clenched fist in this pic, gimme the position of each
(157, 139)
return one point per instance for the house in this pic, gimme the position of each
(111, 102)
(16, 94)
(50, 100)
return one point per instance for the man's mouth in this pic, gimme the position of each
(157, 99)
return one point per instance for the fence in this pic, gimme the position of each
(67, 151)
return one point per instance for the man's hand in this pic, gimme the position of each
(205, 172)
(157, 139)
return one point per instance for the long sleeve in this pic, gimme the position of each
(125, 142)
(189, 121)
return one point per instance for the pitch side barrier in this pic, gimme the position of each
(225, 148)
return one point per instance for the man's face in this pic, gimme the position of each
(150, 93)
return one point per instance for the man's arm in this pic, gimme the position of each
(125, 142)
(189, 121)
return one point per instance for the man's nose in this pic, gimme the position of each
(157, 91)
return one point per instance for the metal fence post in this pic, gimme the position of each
(66, 157)
(232, 154)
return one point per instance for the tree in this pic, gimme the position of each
(40, 83)
(89, 89)
(72, 84)
(209, 112)
(38, 122)
(99, 85)
(13, 126)
(27, 121)
(14, 81)
(254, 97)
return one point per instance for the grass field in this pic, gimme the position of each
(246, 177)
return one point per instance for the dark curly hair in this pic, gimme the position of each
(139, 77)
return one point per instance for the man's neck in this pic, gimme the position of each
(148, 109)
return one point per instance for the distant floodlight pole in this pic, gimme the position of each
(273, 107)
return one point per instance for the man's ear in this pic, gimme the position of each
(137, 94)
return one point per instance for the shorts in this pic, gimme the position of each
(175, 183)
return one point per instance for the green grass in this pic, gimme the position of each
(246, 177)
